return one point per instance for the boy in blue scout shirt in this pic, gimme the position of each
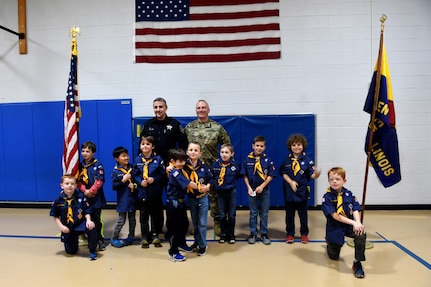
(226, 172)
(297, 170)
(342, 212)
(150, 176)
(72, 214)
(177, 222)
(198, 172)
(126, 196)
(258, 171)
(90, 182)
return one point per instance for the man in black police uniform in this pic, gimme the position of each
(167, 133)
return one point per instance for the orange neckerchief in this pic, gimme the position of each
(257, 166)
(126, 172)
(83, 175)
(340, 209)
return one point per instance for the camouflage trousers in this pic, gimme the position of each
(214, 211)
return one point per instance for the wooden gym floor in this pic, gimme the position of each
(32, 255)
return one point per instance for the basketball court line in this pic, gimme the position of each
(383, 241)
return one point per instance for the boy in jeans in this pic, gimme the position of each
(258, 171)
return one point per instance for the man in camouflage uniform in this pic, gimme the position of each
(210, 134)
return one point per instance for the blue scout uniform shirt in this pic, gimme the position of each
(94, 171)
(247, 169)
(335, 230)
(231, 176)
(204, 176)
(80, 207)
(126, 197)
(156, 170)
(302, 177)
(177, 184)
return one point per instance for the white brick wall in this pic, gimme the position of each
(329, 49)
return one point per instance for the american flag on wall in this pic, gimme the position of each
(191, 31)
(71, 118)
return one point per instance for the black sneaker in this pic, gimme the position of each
(194, 246)
(222, 239)
(202, 251)
(357, 270)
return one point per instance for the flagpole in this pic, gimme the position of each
(373, 113)
(74, 31)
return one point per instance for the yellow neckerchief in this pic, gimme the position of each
(257, 166)
(340, 209)
(124, 171)
(83, 175)
(295, 165)
(193, 176)
(222, 173)
(146, 163)
(69, 217)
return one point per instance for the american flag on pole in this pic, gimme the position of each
(191, 31)
(71, 118)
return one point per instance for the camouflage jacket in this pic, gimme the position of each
(209, 135)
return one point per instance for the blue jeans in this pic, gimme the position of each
(227, 210)
(199, 214)
(261, 209)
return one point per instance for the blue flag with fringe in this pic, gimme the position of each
(384, 154)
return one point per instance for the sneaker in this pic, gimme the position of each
(357, 270)
(156, 240)
(232, 240)
(304, 239)
(117, 243)
(128, 241)
(177, 257)
(290, 239)
(185, 248)
(144, 243)
(93, 256)
(222, 239)
(202, 251)
(265, 239)
(101, 245)
(251, 239)
(194, 245)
